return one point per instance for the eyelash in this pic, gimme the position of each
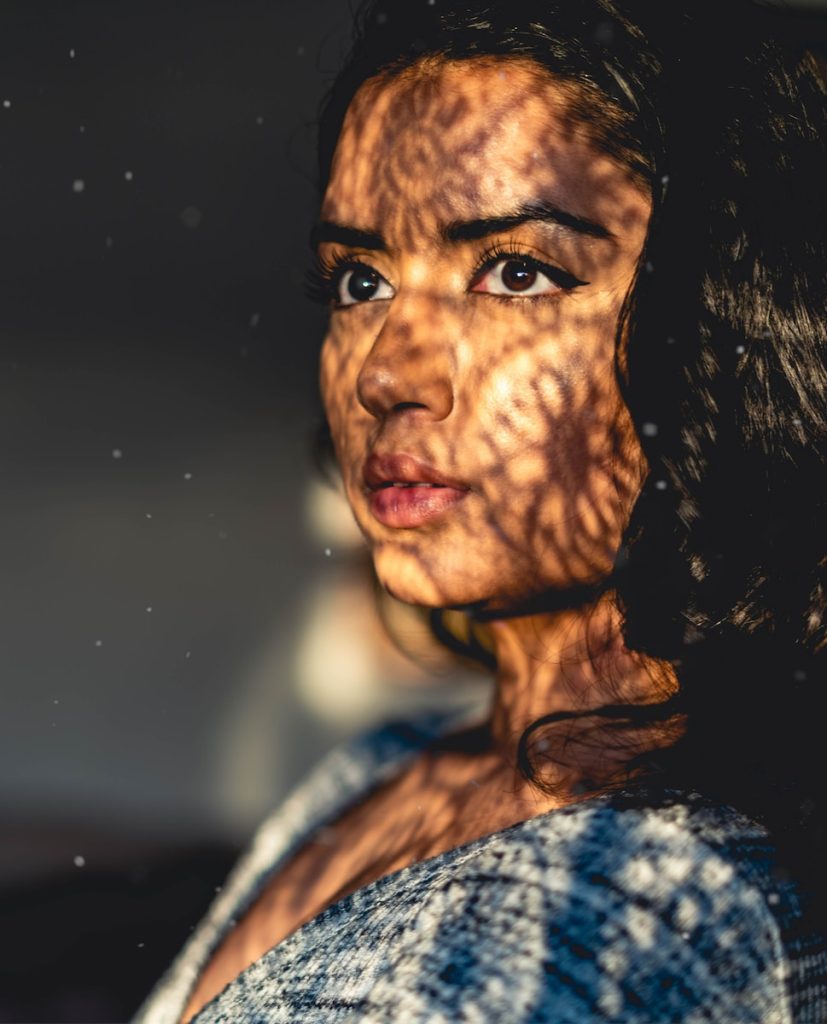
(514, 250)
(323, 277)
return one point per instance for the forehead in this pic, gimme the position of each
(446, 141)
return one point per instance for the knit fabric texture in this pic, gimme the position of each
(641, 907)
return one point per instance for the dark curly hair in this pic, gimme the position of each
(721, 355)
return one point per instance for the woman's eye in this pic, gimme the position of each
(361, 284)
(515, 276)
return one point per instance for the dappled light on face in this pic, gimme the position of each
(505, 243)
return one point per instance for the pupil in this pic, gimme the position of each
(362, 284)
(517, 276)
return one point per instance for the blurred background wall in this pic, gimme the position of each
(186, 615)
(158, 404)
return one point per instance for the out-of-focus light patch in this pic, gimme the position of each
(79, 860)
(350, 673)
(128, 175)
(347, 670)
(329, 518)
(78, 185)
(117, 453)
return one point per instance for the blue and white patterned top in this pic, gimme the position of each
(642, 907)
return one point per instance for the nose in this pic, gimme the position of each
(408, 367)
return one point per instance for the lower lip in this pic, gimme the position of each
(405, 507)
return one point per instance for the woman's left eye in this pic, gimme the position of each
(522, 275)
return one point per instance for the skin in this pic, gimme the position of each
(513, 396)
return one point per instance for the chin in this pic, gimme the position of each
(406, 577)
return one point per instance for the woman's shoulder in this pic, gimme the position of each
(675, 851)
(612, 906)
(649, 904)
(601, 910)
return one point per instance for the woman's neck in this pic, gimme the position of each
(567, 660)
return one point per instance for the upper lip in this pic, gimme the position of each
(381, 470)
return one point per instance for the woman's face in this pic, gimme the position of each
(477, 249)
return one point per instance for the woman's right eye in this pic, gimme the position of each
(344, 281)
(360, 284)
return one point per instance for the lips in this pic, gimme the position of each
(404, 493)
(386, 470)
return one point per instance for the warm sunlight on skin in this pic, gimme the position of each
(478, 248)
(479, 357)
(509, 394)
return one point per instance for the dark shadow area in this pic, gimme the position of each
(157, 397)
(87, 946)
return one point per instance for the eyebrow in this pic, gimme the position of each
(465, 230)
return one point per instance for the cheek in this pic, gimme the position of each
(554, 394)
(329, 362)
(342, 356)
(338, 369)
(334, 396)
(555, 442)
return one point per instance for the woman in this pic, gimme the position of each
(575, 381)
